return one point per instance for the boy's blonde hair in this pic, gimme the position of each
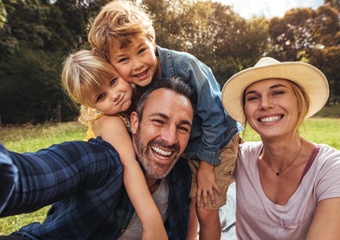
(120, 21)
(85, 71)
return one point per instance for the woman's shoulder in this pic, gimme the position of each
(328, 154)
(251, 146)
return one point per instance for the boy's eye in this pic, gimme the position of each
(141, 50)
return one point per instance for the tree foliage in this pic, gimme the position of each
(312, 36)
(36, 35)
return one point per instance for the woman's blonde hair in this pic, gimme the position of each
(120, 21)
(82, 72)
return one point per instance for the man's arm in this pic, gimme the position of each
(52, 174)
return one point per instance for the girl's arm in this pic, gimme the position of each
(113, 130)
(326, 220)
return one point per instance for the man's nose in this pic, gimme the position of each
(169, 135)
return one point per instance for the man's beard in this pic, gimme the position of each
(154, 169)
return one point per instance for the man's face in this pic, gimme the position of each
(163, 134)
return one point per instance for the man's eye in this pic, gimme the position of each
(158, 122)
(184, 129)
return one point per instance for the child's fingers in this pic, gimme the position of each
(198, 198)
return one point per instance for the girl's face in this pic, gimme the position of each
(271, 107)
(115, 96)
(136, 63)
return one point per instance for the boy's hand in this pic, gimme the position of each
(206, 185)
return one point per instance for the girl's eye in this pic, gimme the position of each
(113, 81)
(122, 60)
(100, 97)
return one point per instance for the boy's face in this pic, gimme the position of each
(136, 63)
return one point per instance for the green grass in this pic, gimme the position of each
(32, 138)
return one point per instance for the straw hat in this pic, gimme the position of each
(311, 79)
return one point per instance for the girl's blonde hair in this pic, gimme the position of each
(120, 21)
(85, 71)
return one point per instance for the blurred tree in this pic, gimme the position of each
(309, 35)
(212, 32)
(3, 14)
(32, 42)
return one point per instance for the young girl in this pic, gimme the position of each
(106, 101)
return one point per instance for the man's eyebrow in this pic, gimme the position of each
(159, 114)
(162, 115)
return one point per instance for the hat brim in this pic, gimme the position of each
(311, 79)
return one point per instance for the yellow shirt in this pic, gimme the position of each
(90, 132)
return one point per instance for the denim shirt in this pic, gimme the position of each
(212, 127)
(84, 183)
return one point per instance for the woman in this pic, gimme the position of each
(286, 186)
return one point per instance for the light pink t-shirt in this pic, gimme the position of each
(259, 218)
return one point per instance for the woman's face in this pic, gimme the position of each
(271, 107)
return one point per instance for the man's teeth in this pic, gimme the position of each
(161, 151)
(270, 119)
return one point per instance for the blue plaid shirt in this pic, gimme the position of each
(83, 181)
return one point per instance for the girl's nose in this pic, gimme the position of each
(114, 96)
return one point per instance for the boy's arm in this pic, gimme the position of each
(113, 130)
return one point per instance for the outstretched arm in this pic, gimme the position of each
(52, 174)
(113, 130)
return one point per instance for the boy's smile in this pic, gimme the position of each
(137, 62)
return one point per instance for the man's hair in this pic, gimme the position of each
(120, 20)
(176, 84)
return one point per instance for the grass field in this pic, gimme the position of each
(324, 128)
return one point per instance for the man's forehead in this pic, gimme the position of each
(164, 99)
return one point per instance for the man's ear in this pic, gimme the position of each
(134, 122)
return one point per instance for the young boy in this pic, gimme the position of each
(123, 33)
